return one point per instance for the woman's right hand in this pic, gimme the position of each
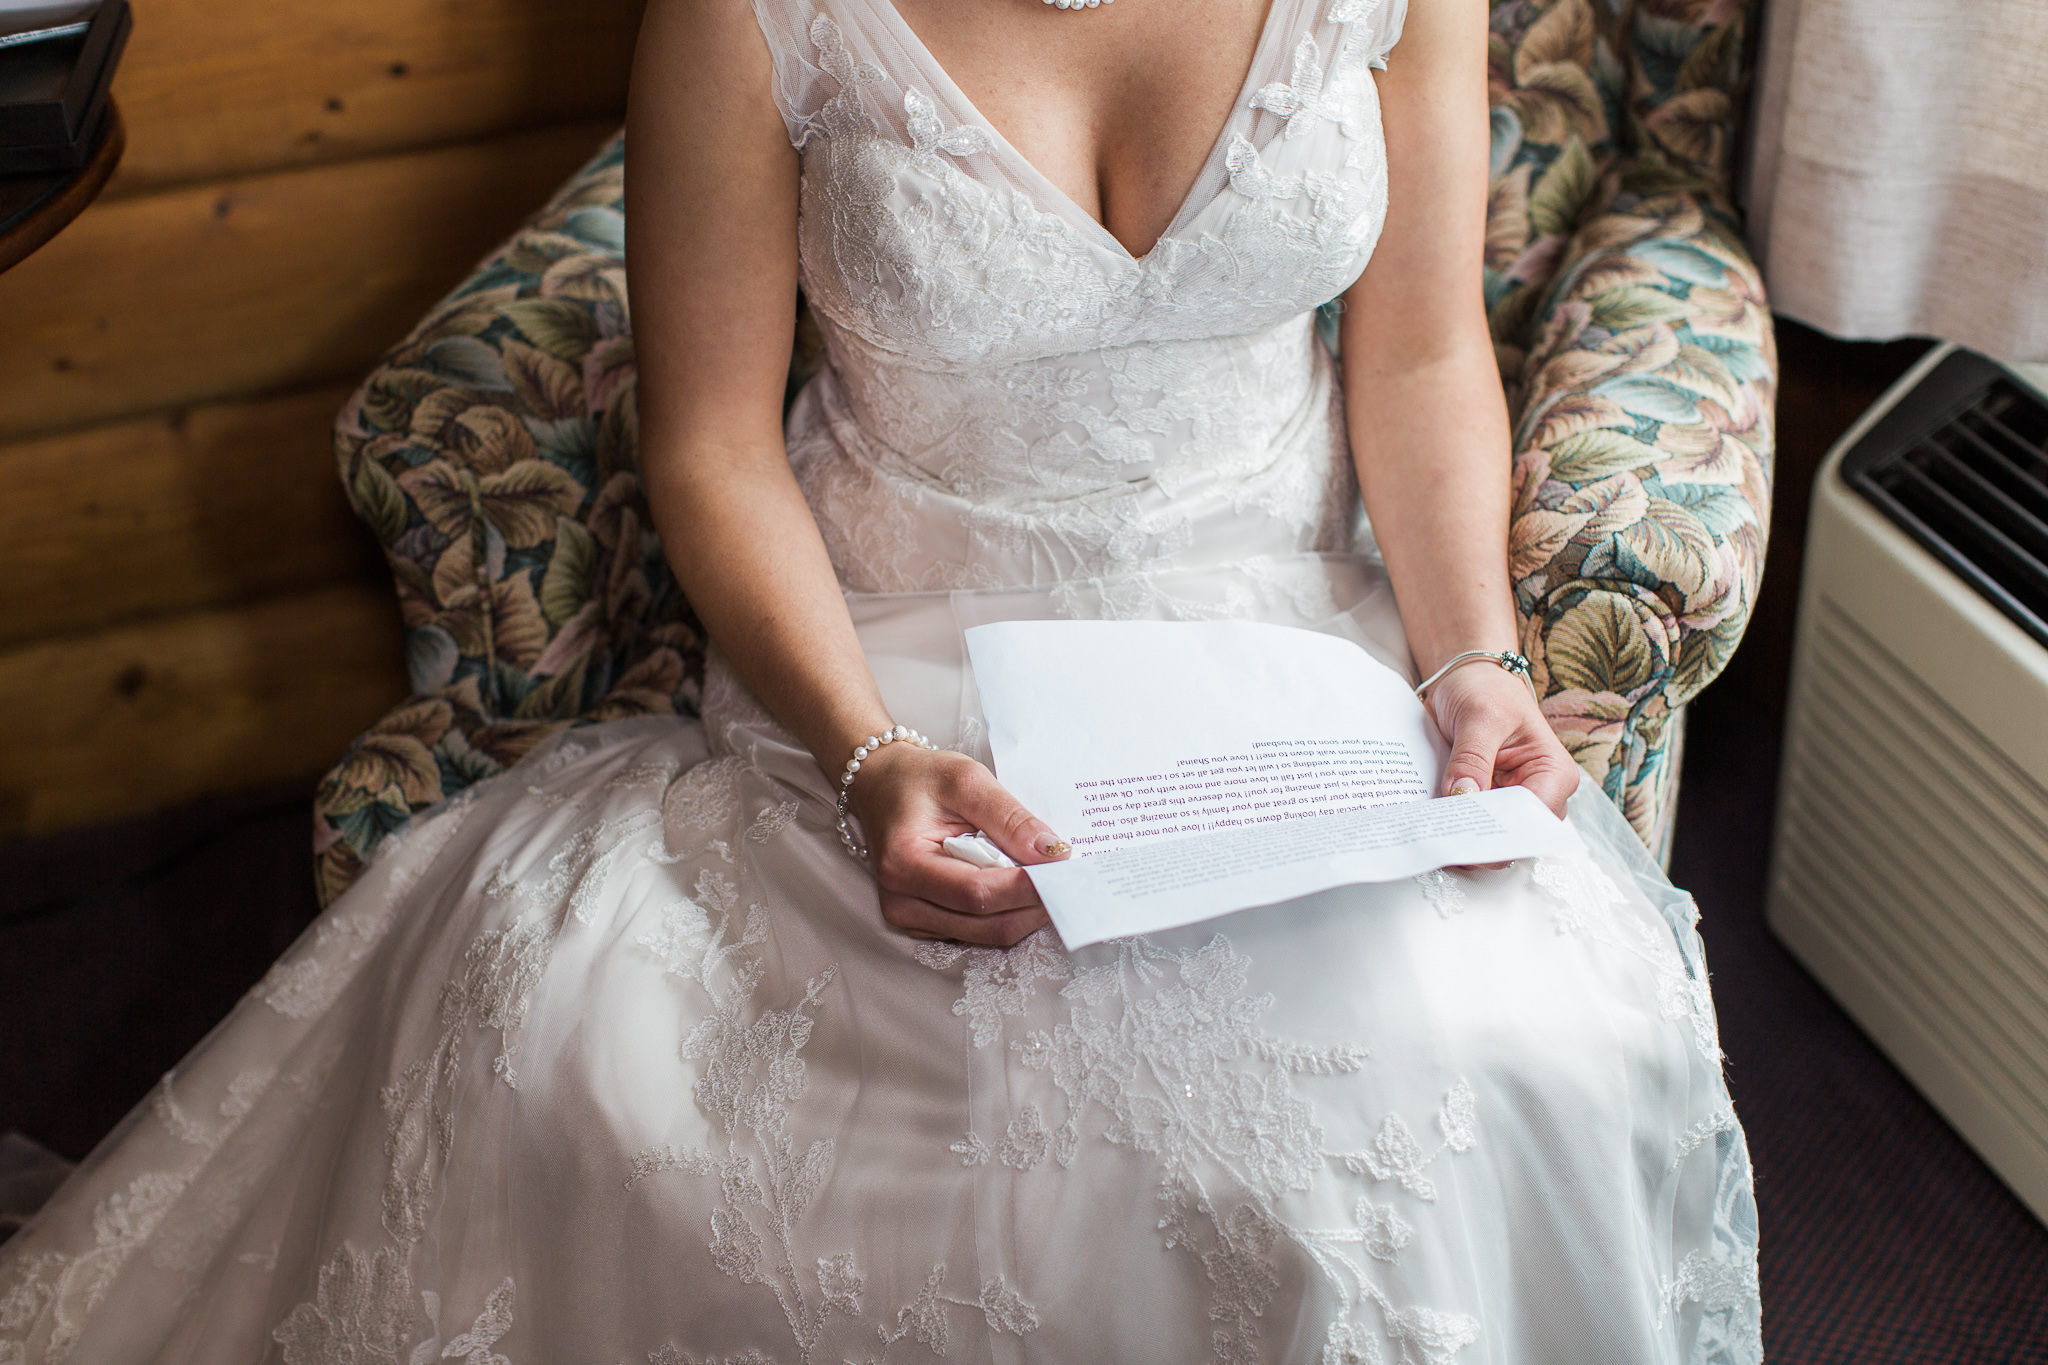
(909, 801)
(712, 196)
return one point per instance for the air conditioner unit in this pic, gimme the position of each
(1910, 866)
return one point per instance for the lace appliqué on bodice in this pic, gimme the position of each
(1013, 399)
(936, 266)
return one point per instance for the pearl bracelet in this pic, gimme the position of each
(1517, 664)
(867, 747)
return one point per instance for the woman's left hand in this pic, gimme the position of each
(1498, 737)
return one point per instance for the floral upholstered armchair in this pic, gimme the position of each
(493, 452)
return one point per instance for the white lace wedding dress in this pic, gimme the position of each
(612, 1059)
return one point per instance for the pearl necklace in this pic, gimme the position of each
(1078, 4)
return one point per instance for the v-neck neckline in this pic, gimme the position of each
(942, 81)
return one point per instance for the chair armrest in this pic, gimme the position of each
(494, 455)
(1641, 479)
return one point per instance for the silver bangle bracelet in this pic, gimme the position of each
(865, 748)
(1507, 658)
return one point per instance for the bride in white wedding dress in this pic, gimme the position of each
(621, 1057)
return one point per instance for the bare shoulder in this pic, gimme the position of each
(1424, 279)
(710, 48)
(702, 87)
(702, 18)
(1442, 51)
(711, 229)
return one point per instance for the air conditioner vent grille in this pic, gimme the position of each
(1962, 466)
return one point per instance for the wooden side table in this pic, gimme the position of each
(34, 208)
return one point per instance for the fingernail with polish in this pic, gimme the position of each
(1052, 846)
(1464, 786)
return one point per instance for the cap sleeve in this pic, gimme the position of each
(786, 24)
(1374, 24)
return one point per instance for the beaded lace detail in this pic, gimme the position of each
(1012, 397)
(1162, 1052)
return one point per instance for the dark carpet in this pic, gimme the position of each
(1886, 1241)
(121, 946)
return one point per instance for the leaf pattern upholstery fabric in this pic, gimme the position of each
(493, 452)
(1636, 349)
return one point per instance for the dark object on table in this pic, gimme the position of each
(44, 35)
(53, 95)
(34, 208)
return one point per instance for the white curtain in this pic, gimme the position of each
(1898, 182)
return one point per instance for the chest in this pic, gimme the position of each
(926, 232)
(1118, 107)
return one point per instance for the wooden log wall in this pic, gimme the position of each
(187, 604)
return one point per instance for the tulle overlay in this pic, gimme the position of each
(613, 1059)
(616, 1056)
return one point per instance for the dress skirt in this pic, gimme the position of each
(613, 1059)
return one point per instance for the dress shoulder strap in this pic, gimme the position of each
(786, 24)
(1375, 25)
(823, 49)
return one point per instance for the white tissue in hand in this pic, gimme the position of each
(975, 848)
